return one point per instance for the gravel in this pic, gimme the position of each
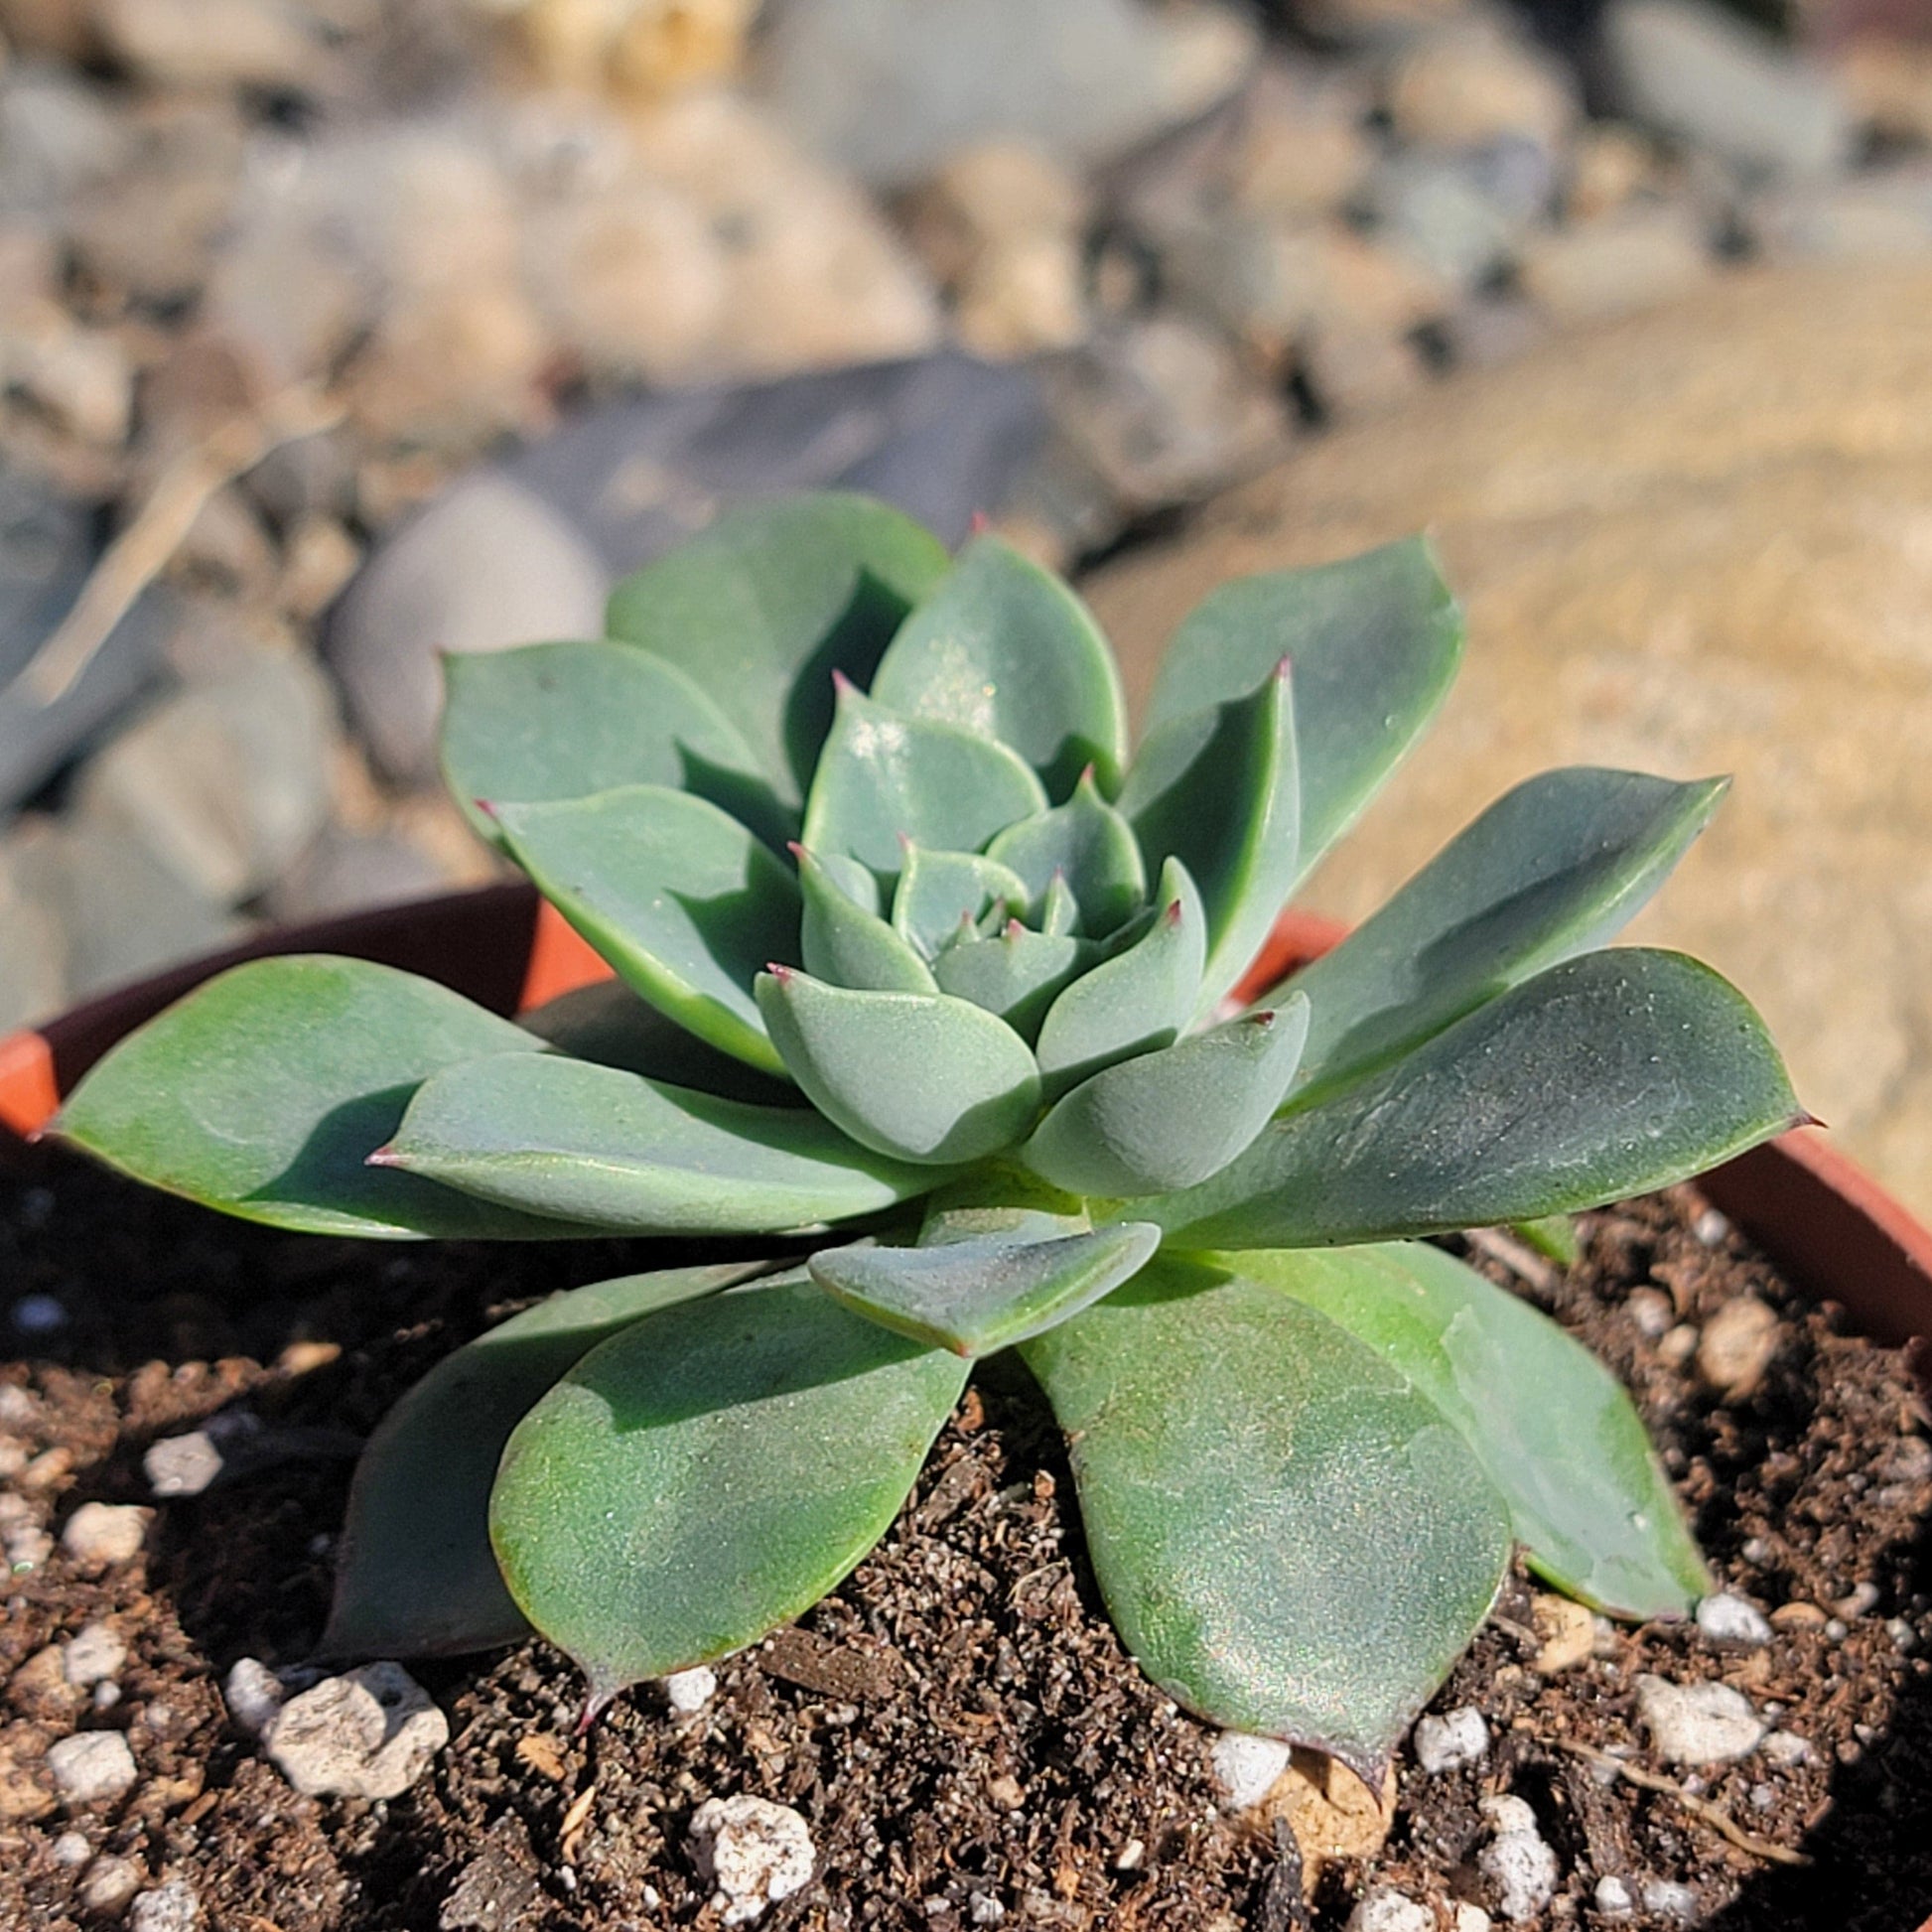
(1698, 1724)
(92, 1768)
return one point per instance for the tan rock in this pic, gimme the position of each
(1568, 1630)
(1889, 86)
(1699, 540)
(1331, 1812)
(1472, 85)
(1616, 265)
(1737, 1345)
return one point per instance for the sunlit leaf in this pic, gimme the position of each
(843, 944)
(1090, 846)
(939, 892)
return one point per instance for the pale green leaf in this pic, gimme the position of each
(843, 944)
(1090, 846)
(1017, 975)
(939, 892)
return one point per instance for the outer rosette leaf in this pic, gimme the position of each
(976, 1296)
(612, 1151)
(1552, 869)
(709, 1474)
(1229, 1446)
(1607, 1075)
(680, 899)
(884, 779)
(415, 1575)
(1374, 640)
(1006, 650)
(566, 721)
(1586, 1497)
(1134, 1003)
(1220, 790)
(263, 1091)
(763, 606)
(1090, 846)
(1169, 1119)
(918, 1077)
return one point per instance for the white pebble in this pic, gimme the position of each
(1755, 1550)
(691, 1690)
(1516, 1862)
(168, 1908)
(107, 1532)
(108, 1884)
(754, 1851)
(1507, 1813)
(1667, 1899)
(1732, 1624)
(1458, 1737)
(1711, 1227)
(1469, 1918)
(92, 1767)
(984, 1909)
(182, 1465)
(1652, 1311)
(1246, 1767)
(1835, 1629)
(1698, 1724)
(369, 1733)
(72, 1848)
(1901, 1633)
(253, 1694)
(91, 1656)
(1787, 1747)
(1387, 1910)
(1613, 1897)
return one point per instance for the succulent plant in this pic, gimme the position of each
(919, 969)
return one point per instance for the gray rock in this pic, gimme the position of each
(890, 88)
(268, 44)
(343, 872)
(1668, 1900)
(1471, 83)
(58, 135)
(1444, 1743)
(1702, 73)
(1872, 217)
(1732, 1624)
(253, 1694)
(1613, 1897)
(1698, 1724)
(1517, 1861)
(1387, 1910)
(1438, 210)
(689, 1691)
(108, 1884)
(172, 1907)
(755, 1852)
(1246, 1767)
(94, 1655)
(369, 1733)
(92, 1768)
(1638, 258)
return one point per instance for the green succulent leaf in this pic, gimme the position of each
(1220, 790)
(1374, 640)
(938, 893)
(1134, 1003)
(264, 1090)
(1006, 650)
(1059, 911)
(680, 899)
(1607, 1075)
(415, 1575)
(1089, 845)
(843, 944)
(884, 779)
(709, 1474)
(920, 1077)
(974, 1296)
(566, 721)
(762, 608)
(1553, 868)
(1171, 1118)
(1554, 1430)
(615, 1152)
(1553, 1236)
(1228, 1454)
(1017, 975)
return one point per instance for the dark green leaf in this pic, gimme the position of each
(884, 779)
(1007, 650)
(761, 609)
(974, 1296)
(1088, 844)
(1171, 1118)
(681, 899)
(263, 1092)
(1552, 869)
(710, 1473)
(415, 1575)
(843, 944)
(1219, 789)
(918, 1076)
(1290, 1539)
(1553, 1428)
(617, 1152)
(1374, 641)
(1135, 1002)
(564, 721)
(1605, 1076)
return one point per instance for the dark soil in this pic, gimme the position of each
(957, 1723)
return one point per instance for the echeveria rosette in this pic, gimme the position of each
(919, 969)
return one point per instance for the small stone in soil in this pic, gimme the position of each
(1787, 1747)
(72, 1848)
(1516, 1862)
(689, 1691)
(1698, 1724)
(1246, 1767)
(1613, 1897)
(1456, 1738)
(369, 1733)
(1568, 1630)
(108, 1884)
(1737, 1345)
(171, 1907)
(92, 1656)
(1732, 1624)
(107, 1532)
(253, 1694)
(91, 1768)
(754, 1851)
(1387, 1910)
(1667, 1899)
(182, 1465)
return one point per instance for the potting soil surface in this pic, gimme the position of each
(957, 1724)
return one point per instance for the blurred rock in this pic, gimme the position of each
(1603, 505)
(1875, 216)
(1303, 146)
(889, 88)
(1475, 84)
(58, 135)
(1618, 265)
(343, 872)
(1887, 84)
(82, 378)
(1609, 166)
(268, 44)
(33, 976)
(1703, 75)
(639, 48)
(1436, 210)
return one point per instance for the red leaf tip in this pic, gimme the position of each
(485, 806)
(383, 1156)
(1285, 669)
(842, 685)
(1264, 1017)
(980, 523)
(782, 974)
(1173, 914)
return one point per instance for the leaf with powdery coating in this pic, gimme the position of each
(843, 944)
